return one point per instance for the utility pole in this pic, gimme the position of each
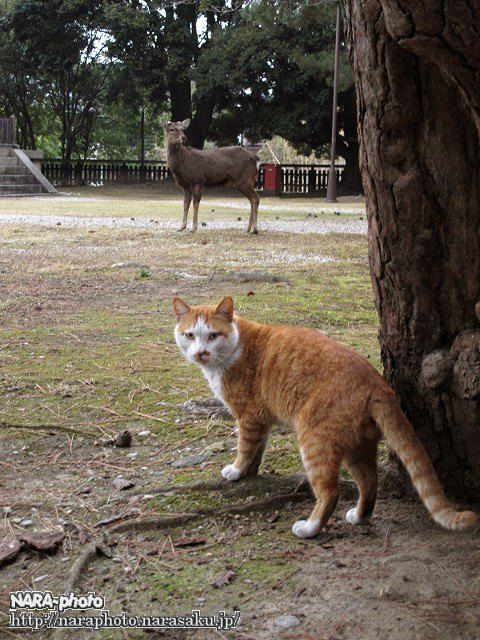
(332, 174)
(142, 146)
(142, 136)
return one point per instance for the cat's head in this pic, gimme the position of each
(207, 336)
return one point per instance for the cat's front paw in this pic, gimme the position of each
(306, 528)
(230, 472)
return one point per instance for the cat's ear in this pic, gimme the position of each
(225, 309)
(180, 307)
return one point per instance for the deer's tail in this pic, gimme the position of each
(402, 438)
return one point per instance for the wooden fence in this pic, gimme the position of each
(7, 131)
(85, 172)
(296, 178)
(307, 178)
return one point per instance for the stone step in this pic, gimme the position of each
(8, 162)
(5, 151)
(15, 170)
(20, 189)
(17, 178)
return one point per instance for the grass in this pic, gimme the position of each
(81, 319)
(86, 342)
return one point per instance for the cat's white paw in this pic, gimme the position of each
(230, 472)
(306, 528)
(351, 516)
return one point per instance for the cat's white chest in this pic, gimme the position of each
(214, 379)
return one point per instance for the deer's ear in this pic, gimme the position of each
(185, 124)
(180, 307)
(225, 309)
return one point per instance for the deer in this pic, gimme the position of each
(194, 169)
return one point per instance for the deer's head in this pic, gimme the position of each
(174, 131)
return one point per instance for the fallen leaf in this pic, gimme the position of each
(9, 550)
(122, 485)
(273, 517)
(42, 540)
(188, 542)
(224, 579)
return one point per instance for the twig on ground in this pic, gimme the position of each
(47, 427)
(459, 584)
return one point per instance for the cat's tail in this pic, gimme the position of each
(402, 438)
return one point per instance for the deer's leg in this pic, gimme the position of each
(254, 199)
(197, 196)
(187, 198)
(254, 214)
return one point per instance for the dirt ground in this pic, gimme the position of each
(87, 352)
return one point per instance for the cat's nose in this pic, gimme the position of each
(200, 356)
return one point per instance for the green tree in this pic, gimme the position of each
(68, 44)
(22, 93)
(165, 43)
(275, 63)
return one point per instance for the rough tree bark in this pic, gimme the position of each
(417, 75)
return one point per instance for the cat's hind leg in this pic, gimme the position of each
(361, 464)
(322, 463)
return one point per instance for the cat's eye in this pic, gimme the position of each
(189, 335)
(213, 336)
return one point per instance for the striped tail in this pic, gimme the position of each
(401, 437)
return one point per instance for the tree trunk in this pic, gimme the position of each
(181, 107)
(351, 183)
(180, 98)
(198, 130)
(416, 67)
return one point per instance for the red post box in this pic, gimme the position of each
(272, 185)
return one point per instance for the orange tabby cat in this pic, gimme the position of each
(338, 403)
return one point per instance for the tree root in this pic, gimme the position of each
(301, 491)
(245, 486)
(88, 555)
(165, 521)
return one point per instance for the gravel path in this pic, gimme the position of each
(311, 225)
